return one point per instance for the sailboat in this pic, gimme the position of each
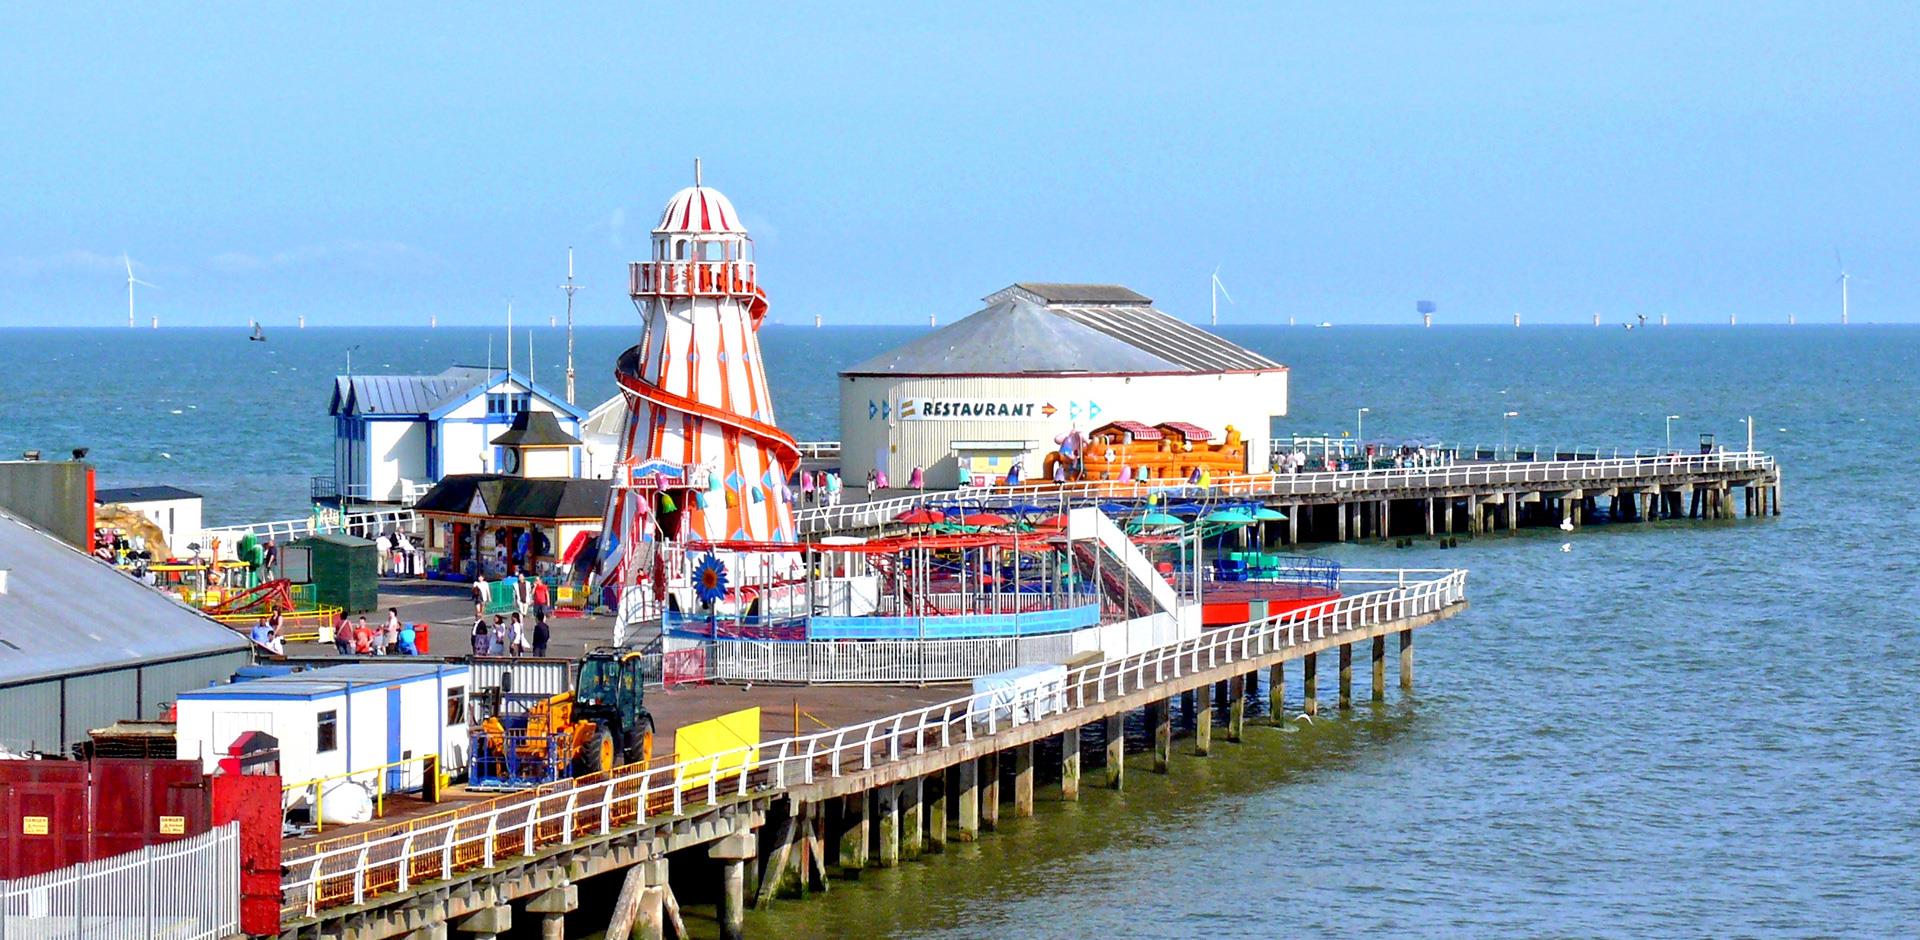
(259, 335)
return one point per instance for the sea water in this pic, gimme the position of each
(1677, 728)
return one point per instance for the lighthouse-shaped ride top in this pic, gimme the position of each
(701, 460)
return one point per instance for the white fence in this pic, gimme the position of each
(367, 524)
(853, 516)
(351, 870)
(183, 890)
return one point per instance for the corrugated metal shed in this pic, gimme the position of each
(83, 645)
(1167, 336)
(141, 494)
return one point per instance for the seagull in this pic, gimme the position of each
(165, 456)
(1566, 525)
(1566, 546)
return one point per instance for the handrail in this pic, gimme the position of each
(370, 521)
(1264, 485)
(427, 762)
(350, 869)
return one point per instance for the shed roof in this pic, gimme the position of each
(331, 680)
(141, 494)
(1034, 327)
(401, 394)
(517, 497)
(65, 613)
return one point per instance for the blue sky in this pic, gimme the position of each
(1337, 161)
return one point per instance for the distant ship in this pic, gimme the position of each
(1326, 324)
(259, 335)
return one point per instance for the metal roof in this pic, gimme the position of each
(1052, 328)
(141, 494)
(65, 613)
(1013, 336)
(402, 394)
(332, 680)
(535, 429)
(517, 498)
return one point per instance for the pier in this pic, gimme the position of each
(869, 791)
(1467, 499)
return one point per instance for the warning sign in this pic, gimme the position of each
(173, 825)
(33, 825)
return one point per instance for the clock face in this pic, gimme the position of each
(512, 462)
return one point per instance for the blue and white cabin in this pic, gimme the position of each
(394, 436)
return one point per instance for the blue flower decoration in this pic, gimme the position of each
(710, 580)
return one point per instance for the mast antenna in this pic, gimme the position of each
(570, 287)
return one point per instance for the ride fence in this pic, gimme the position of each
(188, 889)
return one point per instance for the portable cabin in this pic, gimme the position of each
(338, 720)
(343, 569)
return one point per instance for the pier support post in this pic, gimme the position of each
(1160, 719)
(1380, 668)
(733, 852)
(1023, 780)
(913, 826)
(886, 821)
(964, 785)
(486, 923)
(1406, 660)
(1386, 519)
(1277, 692)
(990, 791)
(1116, 728)
(1446, 516)
(1513, 511)
(853, 833)
(1429, 503)
(1203, 720)
(1346, 675)
(1070, 764)
(553, 905)
(1236, 708)
(934, 793)
(1310, 684)
(1340, 518)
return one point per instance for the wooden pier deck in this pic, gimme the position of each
(864, 792)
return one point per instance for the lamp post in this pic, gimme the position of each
(1505, 419)
(1360, 427)
(1670, 420)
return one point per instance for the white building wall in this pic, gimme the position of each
(398, 457)
(548, 462)
(179, 519)
(875, 433)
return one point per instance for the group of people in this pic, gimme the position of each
(398, 555)
(821, 487)
(362, 639)
(510, 637)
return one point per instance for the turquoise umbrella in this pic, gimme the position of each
(1269, 514)
(1229, 517)
(1156, 519)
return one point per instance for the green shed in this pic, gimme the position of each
(343, 569)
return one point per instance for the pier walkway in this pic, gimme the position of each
(1400, 501)
(869, 791)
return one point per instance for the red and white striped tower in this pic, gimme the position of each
(700, 424)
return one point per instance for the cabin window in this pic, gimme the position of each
(328, 732)
(456, 705)
(508, 403)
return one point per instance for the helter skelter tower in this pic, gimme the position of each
(701, 459)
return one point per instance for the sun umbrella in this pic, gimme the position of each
(1269, 514)
(1158, 519)
(920, 516)
(984, 519)
(1052, 522)
(1229, 517)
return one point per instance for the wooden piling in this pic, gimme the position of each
(1406, 660)
(990, 792)
(1116, 729)
(1380, 668)
(1310, 683)
(853, 832)
(1203, 720)
(913, 827)
(1023, 779)
(1236, 708)
(886, 821)
(1340, 518)
(1276, 692)
(1160, 719)
(934, 791)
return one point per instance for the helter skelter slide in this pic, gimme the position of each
(703, 466)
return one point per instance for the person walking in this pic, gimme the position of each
(522, 597)
(873, 479)
(480, 595)
(393, 631)
(363, 637)
(517, 641)
(541, 634)
(497, 640)
(482, 638)
(542, 599)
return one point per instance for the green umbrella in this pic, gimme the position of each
(1154, 519)
(1269, 514)
(1228, 517)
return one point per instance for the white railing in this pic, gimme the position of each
(819, 450)
(369, 524)
(183, 890)
(1280, 485)
(351, 870)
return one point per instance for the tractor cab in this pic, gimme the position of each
(610, 694)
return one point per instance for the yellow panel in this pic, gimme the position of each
(724, 736)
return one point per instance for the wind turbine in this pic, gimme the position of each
(1841, 280)
(131, 280)
(1218, 290)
